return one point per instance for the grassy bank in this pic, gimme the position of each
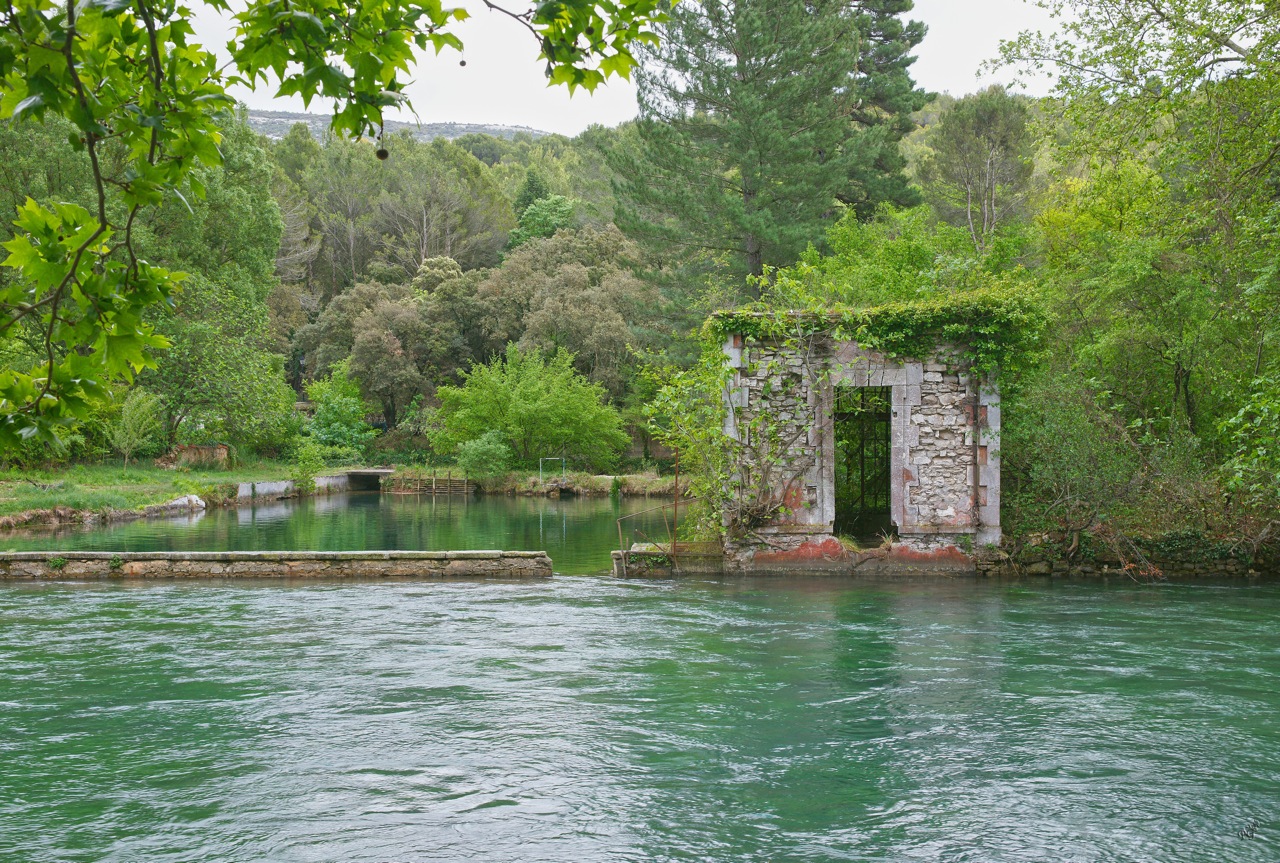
(584, 484)
(101, 488)
(519, 483)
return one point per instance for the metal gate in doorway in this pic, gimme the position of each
(862, 458)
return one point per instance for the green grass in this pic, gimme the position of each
(112, 486)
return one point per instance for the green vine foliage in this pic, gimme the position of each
(738, 481)
(999, 327)
(688, 414)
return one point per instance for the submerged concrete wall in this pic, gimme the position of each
(97, 565)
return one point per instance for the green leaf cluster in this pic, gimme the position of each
(541, 405)
(995, 329)
(338, 419)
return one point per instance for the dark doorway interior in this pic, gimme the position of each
(862, 462)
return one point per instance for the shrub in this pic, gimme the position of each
(541, 406)
(485, 457)
(141, 417)
(1253, 471)
(308, 460)
(339, 411)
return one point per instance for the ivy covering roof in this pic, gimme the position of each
(993, 328)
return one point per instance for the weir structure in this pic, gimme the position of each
(850, 458)
(155, 565)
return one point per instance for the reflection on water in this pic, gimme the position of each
(578, 533)
(590, 719)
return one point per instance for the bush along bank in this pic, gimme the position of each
(1181, 556)
(583, 485)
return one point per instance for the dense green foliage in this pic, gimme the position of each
(143, 104)
(486, 457)
(542, 407)
(757, 117)
(338, 418)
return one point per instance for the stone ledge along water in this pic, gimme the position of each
(99, 565)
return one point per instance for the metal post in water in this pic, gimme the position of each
(675, 516)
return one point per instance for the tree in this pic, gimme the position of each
(1164, 217)
(439, 200)
(534, 188)
(977, 172)
(433, 272)
(542, 218)
(141, 418)
(899, 255)
(388, 353)
(329, 338)
(218, 380)
(338, 420)
(542, 406)
(758, 116)
(144, 102)
(574, 291)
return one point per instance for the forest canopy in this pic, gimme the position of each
(1111, 249)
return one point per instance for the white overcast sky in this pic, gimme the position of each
(503, 82)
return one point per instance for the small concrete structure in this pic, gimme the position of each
(369, 479)
(944, 466)
(100, 565)
(280, 488)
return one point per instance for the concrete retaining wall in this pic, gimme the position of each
(285, 487)
(96, 565)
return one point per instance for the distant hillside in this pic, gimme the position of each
(274, 124)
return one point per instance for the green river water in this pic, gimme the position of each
(578, 533)
(590, 719)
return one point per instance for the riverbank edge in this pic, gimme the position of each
(102, 565)
(221, 494)
(895, 563)
(242, 493)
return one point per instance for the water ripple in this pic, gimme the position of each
(589, 720)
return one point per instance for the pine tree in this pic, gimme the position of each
(534, 188)
(758, 116)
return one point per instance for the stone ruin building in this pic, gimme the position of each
(899, 455)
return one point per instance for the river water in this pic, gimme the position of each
(588, 719)
(578, 533)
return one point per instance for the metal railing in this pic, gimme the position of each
(672, 548)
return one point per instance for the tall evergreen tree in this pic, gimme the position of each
(757, 116)
(533, 189)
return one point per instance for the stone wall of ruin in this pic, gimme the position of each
(945, 487)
